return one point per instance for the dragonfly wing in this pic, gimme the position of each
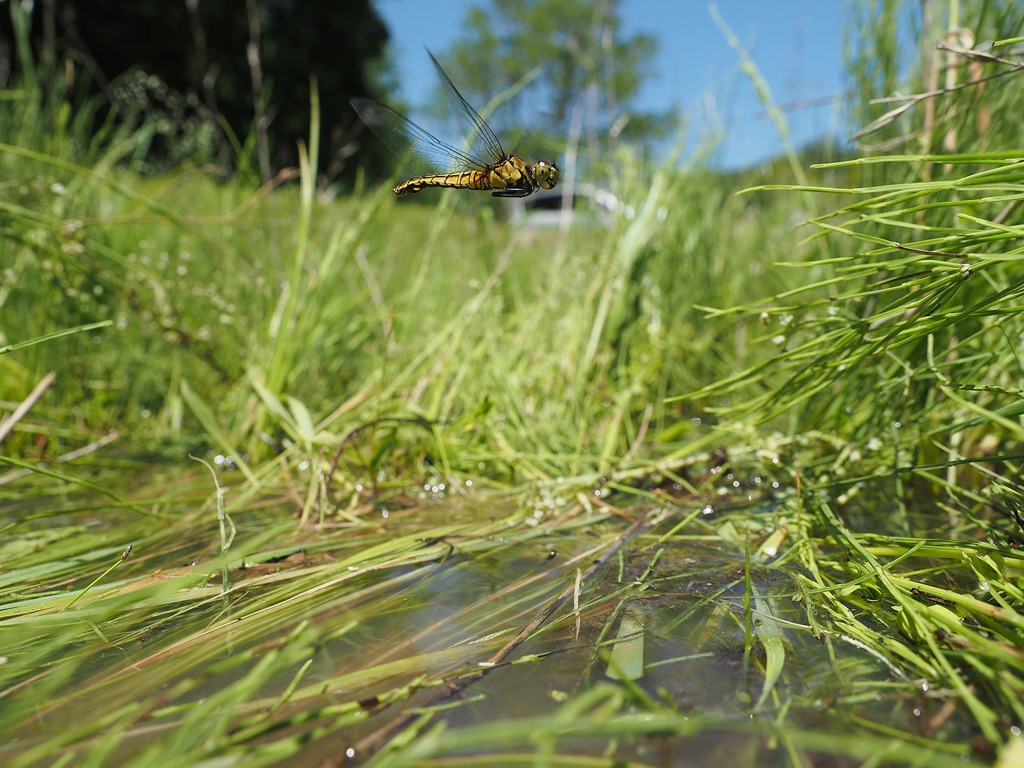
(418, 149)
(483, 140)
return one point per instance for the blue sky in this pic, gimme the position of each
(796, 45)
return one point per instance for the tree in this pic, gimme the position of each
(590, 73)
(245, 65)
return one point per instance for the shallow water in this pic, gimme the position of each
(329, 637)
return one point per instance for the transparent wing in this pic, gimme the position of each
(483, 142)
(419, 150)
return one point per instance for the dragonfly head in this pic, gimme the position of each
(546, 174)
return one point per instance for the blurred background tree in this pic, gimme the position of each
(590, 73)
(213, 76)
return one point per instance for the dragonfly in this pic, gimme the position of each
(485, 165)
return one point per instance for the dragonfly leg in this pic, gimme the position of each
(513, 192)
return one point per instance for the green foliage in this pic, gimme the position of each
(223, 74)
(406, 312)
(916, 299)
(946, 111)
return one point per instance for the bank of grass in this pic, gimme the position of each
(546, 441)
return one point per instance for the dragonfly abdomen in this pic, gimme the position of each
(461, 180)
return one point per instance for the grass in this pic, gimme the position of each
(699, 486)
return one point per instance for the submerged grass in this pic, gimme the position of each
(681, 489)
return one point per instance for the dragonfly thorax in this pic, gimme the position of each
(514, 177)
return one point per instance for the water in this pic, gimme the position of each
(368, 628)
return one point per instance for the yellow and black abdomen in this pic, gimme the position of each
(461, 180)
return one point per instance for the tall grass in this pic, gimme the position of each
(919, 303)
(373, 309)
